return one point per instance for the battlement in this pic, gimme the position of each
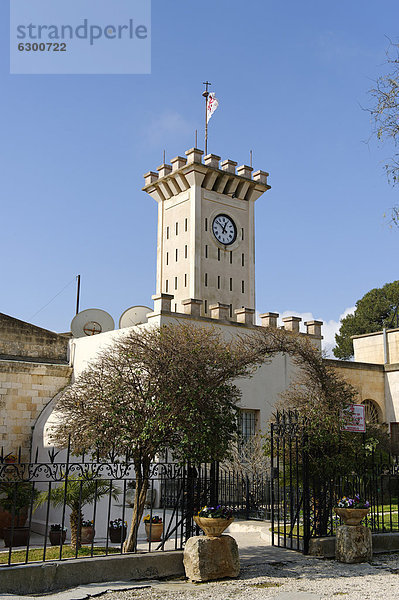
(210, 173)
(243, 316)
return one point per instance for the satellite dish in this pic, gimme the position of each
(135, 315)
(91, 321)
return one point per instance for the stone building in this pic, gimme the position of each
(34, 367)
(205, 271)
(205, 275)
(375, 374)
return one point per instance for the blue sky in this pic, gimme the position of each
(291, 79)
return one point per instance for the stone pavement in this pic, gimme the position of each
(266, 572)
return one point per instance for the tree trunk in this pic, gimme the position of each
(321, 509)
(76, 519)
(142, 474)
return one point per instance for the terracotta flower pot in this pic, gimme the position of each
(55, 537)
(351, 516)
(213, 527)
(18, 537)
(6, 520)
(87, 535)
(156, 531)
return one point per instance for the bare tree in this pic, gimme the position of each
(247, 457)
(163, 387)
(385, 114)
(319, 394)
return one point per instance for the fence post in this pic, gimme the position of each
(305, 494)
(247, 498)
(189, 508)
(272, 479)
(214, 483)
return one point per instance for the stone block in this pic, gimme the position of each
(207, 558)
(353, 544)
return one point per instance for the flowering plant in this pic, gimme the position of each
(215, 512)
(154, 519)
(86, 523)
(355, 502)
(57, 527)
(117, 524)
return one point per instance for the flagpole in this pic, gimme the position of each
(206, 94)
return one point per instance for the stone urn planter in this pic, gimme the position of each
(213, 527)
(154, 531)
(351, 516)
(18, 537)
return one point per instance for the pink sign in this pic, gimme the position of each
(353, 418)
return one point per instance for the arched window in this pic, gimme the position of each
(373, 412)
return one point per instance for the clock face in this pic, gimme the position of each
(224, 229)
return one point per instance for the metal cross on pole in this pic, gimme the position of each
(206, 94)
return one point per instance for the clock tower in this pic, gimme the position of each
(206, 234)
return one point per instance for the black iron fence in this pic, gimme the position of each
(248, 495)
(302, 504)
(67, 508)
(63, 509)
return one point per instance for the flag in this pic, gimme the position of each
(212, 105)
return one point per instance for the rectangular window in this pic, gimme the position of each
(206, 279)
(177, 254)
(242, 234)
(231, 258)
(242, 287)
(185, 251)
(206, 224)
(175, 283)
(231, 284)
(206, 251)
(218, 253)
(218, 282)
(185, 280)
(185, 224)
(248, 423)
(231, 310)
(242, 259)
(177, 228)
(175, 307)
(166, 286)
(167, 233)
(167, 258)
(206, 306)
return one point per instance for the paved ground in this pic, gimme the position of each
(266, 572)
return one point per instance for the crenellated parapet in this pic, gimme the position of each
(243, 316)
(212, 174)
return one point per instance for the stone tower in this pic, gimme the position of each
(206, 234)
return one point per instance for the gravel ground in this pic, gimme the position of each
(266, 572)
(291, 578)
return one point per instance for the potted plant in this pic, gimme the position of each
(117, 531)
(56, 534)
(214, 520)
(153, 528)
(15, 499)
(79, 492)
(352, 510)
(87, 531)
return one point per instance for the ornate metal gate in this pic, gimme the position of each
(290, 507)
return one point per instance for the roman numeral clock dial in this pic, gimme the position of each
(224, 229)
